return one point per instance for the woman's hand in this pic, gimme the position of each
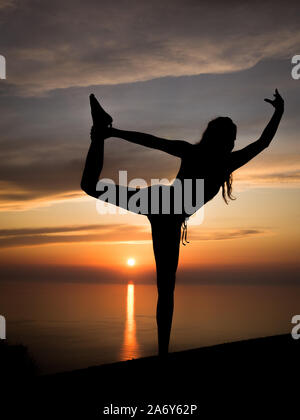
(278, 102)
(100, 133)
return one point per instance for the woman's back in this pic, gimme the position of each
(198, 164)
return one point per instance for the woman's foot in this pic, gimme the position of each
(101, 119)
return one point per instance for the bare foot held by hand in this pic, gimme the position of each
(100, 117)
(98, 133)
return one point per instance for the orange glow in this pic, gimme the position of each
(218, 241)
(130, 348)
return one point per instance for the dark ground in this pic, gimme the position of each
(256, 379)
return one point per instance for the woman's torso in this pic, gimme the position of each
(202, 166)
(198, 180)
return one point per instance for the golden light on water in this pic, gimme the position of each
(130, 303)
(130, 348)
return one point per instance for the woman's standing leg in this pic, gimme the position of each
(166, 243)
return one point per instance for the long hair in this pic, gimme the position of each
(217, 130)
(228, 190)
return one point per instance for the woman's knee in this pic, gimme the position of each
(166, 284)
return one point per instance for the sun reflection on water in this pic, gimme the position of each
(130, 348)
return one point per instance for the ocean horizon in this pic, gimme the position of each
(68, 326)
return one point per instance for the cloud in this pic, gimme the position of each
(109, 234)
(278, 171)
(217, 235)
(102, 43)
(48, 178)
(44, 140)
(45, 181)
(278, 179)
(117, 233)
(7, 4)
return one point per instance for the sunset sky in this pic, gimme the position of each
(160, 67)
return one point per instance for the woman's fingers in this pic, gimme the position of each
(269, 100)
(277, 102)
(277, 94)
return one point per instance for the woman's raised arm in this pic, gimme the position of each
(241, 157)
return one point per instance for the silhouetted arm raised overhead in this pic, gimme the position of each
(241, 157)
(176, 148)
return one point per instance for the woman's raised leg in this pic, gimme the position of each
(101, 130)
(94, 162)
(90, 183)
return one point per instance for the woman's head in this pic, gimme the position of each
(219, 138)
(219, 135)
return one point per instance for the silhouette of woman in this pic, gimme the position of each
(211, 159)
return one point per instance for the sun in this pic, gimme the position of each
(131, 262)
